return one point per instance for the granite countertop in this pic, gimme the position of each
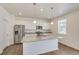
(34, 38)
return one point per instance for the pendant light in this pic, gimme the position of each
(52, 15)
(34, 5)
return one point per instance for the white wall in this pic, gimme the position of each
(28, 22)
(6, 28)
(72, 37)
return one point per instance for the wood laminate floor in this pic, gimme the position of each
(63, 50)
(17, 49)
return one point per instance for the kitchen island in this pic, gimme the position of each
(35, 45)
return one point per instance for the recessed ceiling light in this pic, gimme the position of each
(34, 21)
(20, 13)
(41, 9)
(51, 22)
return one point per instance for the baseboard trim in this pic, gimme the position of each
(69, 46)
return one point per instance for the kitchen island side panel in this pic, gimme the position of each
(39, 47)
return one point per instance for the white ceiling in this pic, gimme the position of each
(31, 11)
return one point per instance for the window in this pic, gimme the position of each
(62, 26)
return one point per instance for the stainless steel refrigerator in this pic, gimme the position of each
(19, 33)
